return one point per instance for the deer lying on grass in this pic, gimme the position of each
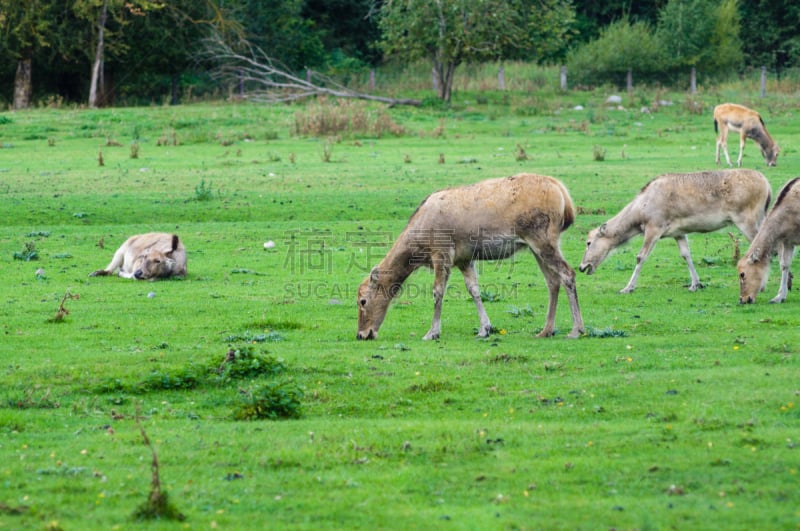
(148, 256)
(780, 231)
(676, 204)
(748, 123)
(489, 220)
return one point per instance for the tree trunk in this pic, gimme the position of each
(23, 86)
(98, 56)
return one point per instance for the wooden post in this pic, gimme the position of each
(372, 80)
(763, 81)
(629, 81)
(308, 75)
(563, 78)
(693, 81)
(501, 78)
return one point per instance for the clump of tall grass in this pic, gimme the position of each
(342, 117)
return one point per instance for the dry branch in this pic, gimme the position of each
(270, 82)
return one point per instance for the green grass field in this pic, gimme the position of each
(676, 410)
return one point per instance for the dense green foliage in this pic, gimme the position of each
(151, 47)
(689, 34)
(675, 410)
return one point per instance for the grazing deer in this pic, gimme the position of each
(748, 123)
(780, 232)
(489, 220)
(676, 204)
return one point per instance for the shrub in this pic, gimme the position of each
(271, 401)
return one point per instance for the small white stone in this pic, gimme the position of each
(269, 244)
(151, 294)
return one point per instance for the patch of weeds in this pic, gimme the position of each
(327, 151)
(244, 271)
(277, 325)
(28, 253)
(431, 386)
(489, 296)
(181, 379)
(157, 506)
(38, 234)
(80, 215)
(598, 153)
(250, 337)
(527, 311)
(271, 401)
(506, 358)
(203, 192)
(243, 362)
(62, 311)
(604, 332)
(32, 399)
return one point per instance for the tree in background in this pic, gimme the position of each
(622, 46)
(699, 34)
(25, 27)
(690, 34)
(593, 16)
(770, 33)
(451, 32)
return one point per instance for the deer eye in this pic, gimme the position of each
(741, 275)
(363, 302)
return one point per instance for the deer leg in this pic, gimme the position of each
(471, 281)
(785, 254)
(683, 247)
(722, 142)
(650, 239)
(116, 262)
(441, 272)
(742, 138)
(556, 272)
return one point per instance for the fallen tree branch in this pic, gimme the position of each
(273, 82)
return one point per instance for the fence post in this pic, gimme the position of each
(693, 81)
(501, 78)
(563, 78)
(629, 81)
(372, 80)
(763, 81)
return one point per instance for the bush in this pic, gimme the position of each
(622, 46)
(271, 401)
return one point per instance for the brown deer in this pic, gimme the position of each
(676, 204)
(748, 123)
(489, 220)
(780, 232)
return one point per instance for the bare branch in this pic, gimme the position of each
(274, 82)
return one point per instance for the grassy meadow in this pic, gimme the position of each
(676, 410)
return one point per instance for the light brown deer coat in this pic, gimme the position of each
(490, 220)
(676, 204)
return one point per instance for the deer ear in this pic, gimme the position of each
(754, 255)
(602, 230)
(373, 276)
